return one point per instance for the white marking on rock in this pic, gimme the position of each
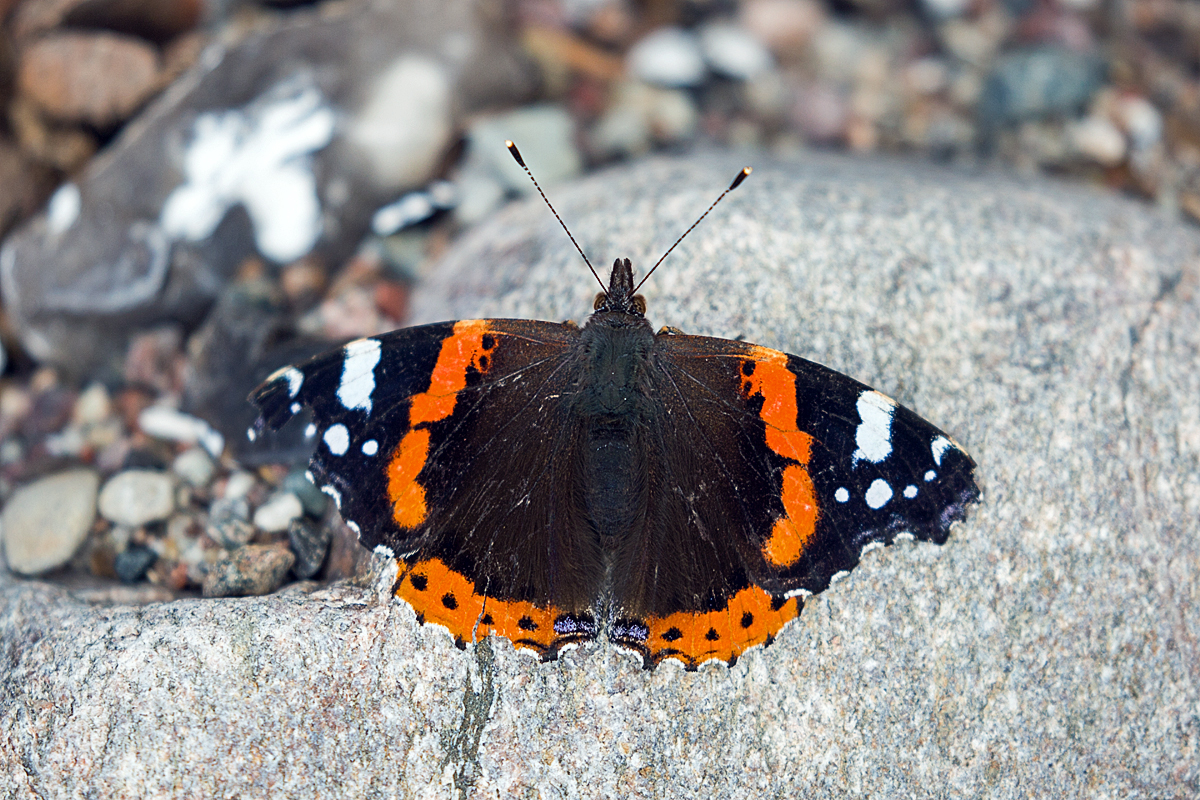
(335, 494)
(358, 374)
(910, 491)
(295, 379)
(874, 434)
(63, 209)
(939, 446)
(261, 157)
(171, 424)
(370, 447)
(841, 495)
(878, 493)
(309, 476)
(337, 439)
(930, 475)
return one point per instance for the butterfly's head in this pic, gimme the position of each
(620, 297)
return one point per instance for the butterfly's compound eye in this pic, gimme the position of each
(601, 299)
(639, 304)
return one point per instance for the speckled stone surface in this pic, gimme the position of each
(1049, 649)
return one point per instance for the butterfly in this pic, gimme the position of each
(546, 482)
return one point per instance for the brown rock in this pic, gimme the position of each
(97, 78)
(26, 186)
(63, 148)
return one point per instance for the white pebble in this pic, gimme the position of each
(731, 50)
(238, 485)
(1099, 140)
(194, 466)
(44, 523)
(172, 425)
(137, 497)
(667, 57)
(277, 513)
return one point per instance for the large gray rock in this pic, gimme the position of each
(286, 136)
(1049, 647)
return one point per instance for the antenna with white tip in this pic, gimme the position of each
(512, 148)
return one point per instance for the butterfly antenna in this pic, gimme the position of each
(741, 176)
(516, 154)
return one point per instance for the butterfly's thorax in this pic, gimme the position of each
(613, 402)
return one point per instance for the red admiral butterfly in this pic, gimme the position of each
(541, 481)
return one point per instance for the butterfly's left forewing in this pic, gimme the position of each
(445, 444)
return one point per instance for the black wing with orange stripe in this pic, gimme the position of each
(451, 445)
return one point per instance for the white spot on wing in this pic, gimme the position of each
(295, 379)
(295, 409)
(337, 439)
(310, 431)
(930, 475)
(358, 374)
(874, 434)
(841, 495)
(939, 446)
(878, 493)
(335, 494)
(384, 550)
(370, 447)
(251, 434)
(910, 491)
(352, 525)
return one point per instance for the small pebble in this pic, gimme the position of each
(277, 513)
(164, 422)
(93, 405)
(785, 26)
(1141, 120)
(1099, 140)
(195, 466)
(313, 499)
(252, 570)
(44, 523)
(229, 522)
(131, 565)
(238, 485)
(137, 497)
(309, 541)
(545, 133)
(667, 57)
(731, 50)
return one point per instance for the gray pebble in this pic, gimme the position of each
(194, 466)
(313, 499)
(44, 523)
(229, 522)
(137, 497)
(309, 541)
(252, 570)
(1039, 83)
(131, 565)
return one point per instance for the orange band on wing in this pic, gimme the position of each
(752, 617)
(462, 350)
(444, 597)
(766, 373)
(790, 534)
